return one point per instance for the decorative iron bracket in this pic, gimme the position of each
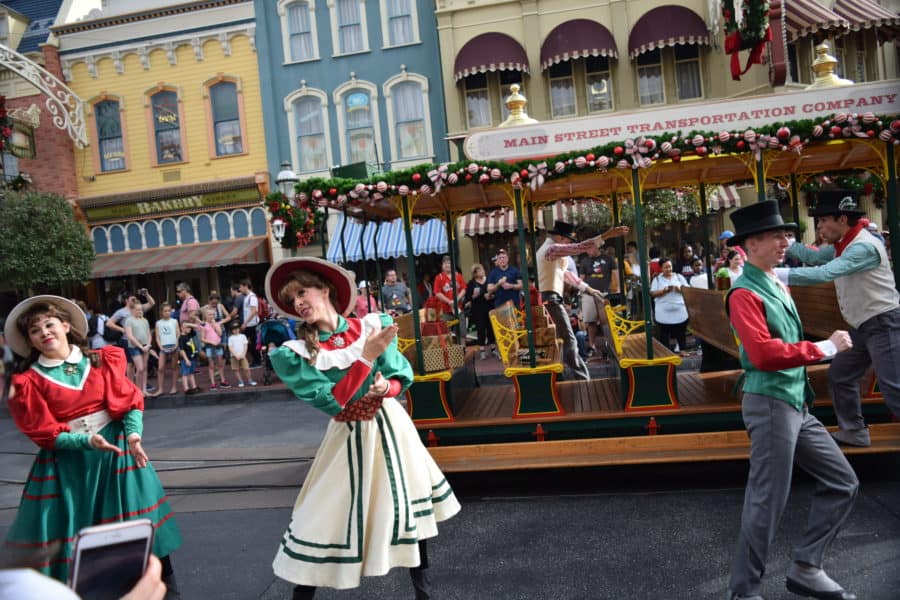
(66, 108)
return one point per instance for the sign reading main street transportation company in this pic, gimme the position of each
(570, 135)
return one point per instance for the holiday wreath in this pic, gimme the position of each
(750, 33)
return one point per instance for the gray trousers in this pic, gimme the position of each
(876, 343)
(570, 356)
(779, 437)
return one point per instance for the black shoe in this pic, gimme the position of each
(421, 583)
(801, 590)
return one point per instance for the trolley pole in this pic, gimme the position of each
(519, 207)
(645, 267)
(411, 268)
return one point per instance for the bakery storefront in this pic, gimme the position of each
(208, 235)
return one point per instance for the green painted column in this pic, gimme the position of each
(620, 248)
(642, 250)
(518, 206)
(411, 267)
(341, 237)
(760, 177)
(704, 219)
(324, 234)
(378, 277)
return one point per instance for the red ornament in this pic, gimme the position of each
(274, 206)
(895, 125)
(741, 144)
(784, 133)
(701, 151)
(870, 133)
(868, 188)
(416, 177)
(332, 192)
(676, 158)
(590, 157)
(618, 150)
(524, 173)
(836, 131)
(468, 177)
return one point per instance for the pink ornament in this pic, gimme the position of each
(773, 142)
(603, 162)
(868, 117)
(473, 168)
(580, 162)
(359, 188)
(724, 136)
(381, 186)
(666, 147)
(425, 189)
(559, 167)
(484, 178)
(317, 194)
(885, 135)
(698, 140)
(403, 190)
(452, 178)
(496, 174)
(841, 117)
(750, 136)
(623, 164)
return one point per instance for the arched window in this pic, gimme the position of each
(223, 226)
(151, 234)
(241, 227)
(167, 127)
(356, 104)
(407, 100)
(169, 233)
(135, 239)
(110, 140)
(226, 118)
(101, 246)
(186, 230)
(204, 229)
(310, 123)
(258, 221)
(117, 238)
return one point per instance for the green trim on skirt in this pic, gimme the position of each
(68, 490)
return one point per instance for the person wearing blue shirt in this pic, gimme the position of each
(504, 280)
(869, 301)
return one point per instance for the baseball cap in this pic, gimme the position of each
(726, 234)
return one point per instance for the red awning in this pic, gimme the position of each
(805, 17)
(724, 196)
(490, 52)
(503, 220)
(243, 251)
(578, 38)
(865, 14)
(667, 25)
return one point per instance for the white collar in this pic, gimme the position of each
(74, 357)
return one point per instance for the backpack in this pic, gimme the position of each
(92, 327)
(111, 335)
(263, 309)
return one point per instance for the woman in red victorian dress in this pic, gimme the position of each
(87, 418)
(373, 494)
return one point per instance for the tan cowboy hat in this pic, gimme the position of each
(343, 281)
(19, 342)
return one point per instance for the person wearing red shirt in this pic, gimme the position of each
(443, 291)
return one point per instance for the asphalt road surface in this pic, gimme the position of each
(638, 533)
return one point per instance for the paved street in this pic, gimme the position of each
(628, 532)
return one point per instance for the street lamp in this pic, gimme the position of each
(278, 229)
(286, 179)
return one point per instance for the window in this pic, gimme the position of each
(360, 138)
(840, 54)
(226, 118)
(687, 72)
(350, 20)
(562, 90)
(300, 31)
(859, 73)
(399, 22)
(598, 83)
(478, 104)
(110, 142)
(309, 121)
(650, 78)
(793, 65)
(507, 78)
(166, 127)
(409, 120)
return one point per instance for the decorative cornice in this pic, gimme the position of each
(143, 49)
(135, 17)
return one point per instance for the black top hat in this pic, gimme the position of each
(756, 218)
(564, 229)
(837, 202)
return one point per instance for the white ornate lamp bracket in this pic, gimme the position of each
(66, 108)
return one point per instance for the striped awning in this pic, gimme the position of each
(429, 237)
(865, 14)
(724, 196)
(503, 220)
(805, 17)
(243, 251)
(578, 38)
(666, 25)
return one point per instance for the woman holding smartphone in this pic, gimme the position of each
(670, 310)
(87, 417)
(373, 494)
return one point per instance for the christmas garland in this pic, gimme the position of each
(862, 181)
(301, 222)
(752, 33)
(636, 153)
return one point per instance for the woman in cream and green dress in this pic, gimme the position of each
(373, 494)
(86, 416)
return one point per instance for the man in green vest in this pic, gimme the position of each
(775, 408)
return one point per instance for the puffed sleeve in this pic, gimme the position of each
(305, 381)
(121, 394)
(33, 417)
(393, 365)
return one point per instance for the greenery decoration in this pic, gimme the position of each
(301, 220)
(751, 34)
(43, 246)
(862, 181)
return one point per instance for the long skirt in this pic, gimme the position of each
(372, 492)
(68, 490)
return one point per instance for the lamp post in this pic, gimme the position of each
(278, 230)
(286, 179)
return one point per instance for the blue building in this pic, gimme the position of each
(349, 81)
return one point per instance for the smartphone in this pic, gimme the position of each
(110, 559)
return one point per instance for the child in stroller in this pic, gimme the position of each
(272, 333)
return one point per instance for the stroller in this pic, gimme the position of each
(272, 333)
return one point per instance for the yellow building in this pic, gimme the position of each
(172, 181)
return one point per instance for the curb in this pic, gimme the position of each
(259, 394)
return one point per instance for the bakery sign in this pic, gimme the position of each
(181, 204)
(571, 135)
